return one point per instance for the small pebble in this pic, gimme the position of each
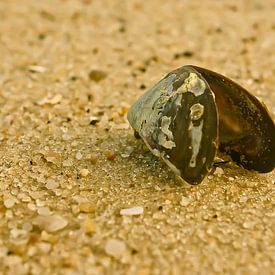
(97, 75)
(51, 156)
(37, 69)
(67, 163)
(110, 155)
(115, 248)
(50, 223)
(249, 224)
(84, 173)
(243, 199)
(17, 233)
(89, 225)
(44, 247)
(51, 184)
(50, 100)
(94, 120)
(44, 211)
(10, 202)
(86, 207)
(136, 210)
(219, 171)
(93, 158)
(78, 156)
(31, 206)
(185, 201)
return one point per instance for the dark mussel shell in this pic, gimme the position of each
(192, 112)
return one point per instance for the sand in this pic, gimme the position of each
(78, 193)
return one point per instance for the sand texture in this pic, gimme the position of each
(78, 193)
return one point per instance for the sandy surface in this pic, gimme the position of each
(69, 70)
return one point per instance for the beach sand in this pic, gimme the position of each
(69, 71)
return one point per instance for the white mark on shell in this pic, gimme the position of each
(196, 85)
(154, 151)
(196, 111)
(192, 84)
(165, 123)
(168, 144)
(178, 99)
(166, 138)
(196, 136)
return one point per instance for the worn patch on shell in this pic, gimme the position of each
(165, 123)
(196, 136)
(154, 151)
(168, 144)
(193, 84)
(196, 85)
(196, 111)
(166, 138)
(178, 99)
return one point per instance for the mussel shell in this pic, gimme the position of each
(192, 111)
(177, 119)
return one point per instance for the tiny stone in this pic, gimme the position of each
(44, 247)
(97, 75)
(88, 225)
(78, 156)
(219, 171)
(137, 210)
(44, 211)
(18, 233)
(249, 224)
(183, 54)
(39, 203)
(110, 155)
(185, 201)
(51, 184)
(115, 248)
(50, 100)
(10, 202)
(75, 209)
(92, 158)
(31, 206)
(93, 120)
(37, 69)
(86, 207)
(48, 237)
(84, 173)
(67, 163)
(243, 199)
(51, 156)
(50, 223)
(23, 197)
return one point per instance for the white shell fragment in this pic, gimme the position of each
(133, 211)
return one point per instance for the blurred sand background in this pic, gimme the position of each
(69, 70)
